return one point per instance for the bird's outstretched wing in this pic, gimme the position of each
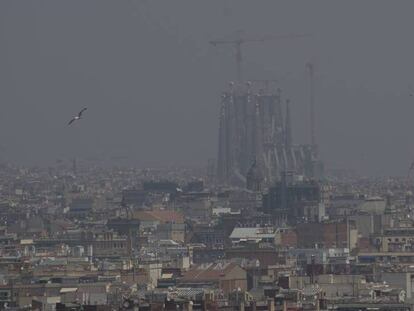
(71, 121)
(80, 113)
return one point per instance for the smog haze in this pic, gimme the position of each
(152, 82)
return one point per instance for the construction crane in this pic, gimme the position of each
(239, 41)
(128, 217)
(410, 169)
(311, 71)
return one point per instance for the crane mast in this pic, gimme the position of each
(311, 72)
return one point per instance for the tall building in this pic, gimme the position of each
(253, 130)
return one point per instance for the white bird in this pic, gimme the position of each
(78, 117)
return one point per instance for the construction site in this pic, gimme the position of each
(255, 130)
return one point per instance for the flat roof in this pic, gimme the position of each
(68, 290)
(386, 254)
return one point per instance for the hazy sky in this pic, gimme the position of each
(152, 82)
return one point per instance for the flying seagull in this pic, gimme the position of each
(78, 117)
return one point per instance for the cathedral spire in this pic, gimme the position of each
(288, 127)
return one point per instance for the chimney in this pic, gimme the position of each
(271, 304)
(312, 274)
(188, 306)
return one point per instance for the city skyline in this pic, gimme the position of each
(224, 155)
(119, 66)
